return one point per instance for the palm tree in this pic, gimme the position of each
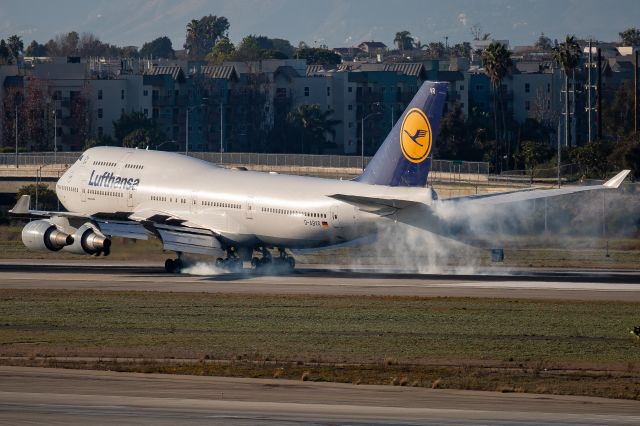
(567, 55)
(404, 40)
(497, 63)
(313, 125)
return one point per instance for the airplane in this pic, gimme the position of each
(238, 216)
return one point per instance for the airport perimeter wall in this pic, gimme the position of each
(47, 167)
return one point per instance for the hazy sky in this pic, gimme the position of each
(332, 22)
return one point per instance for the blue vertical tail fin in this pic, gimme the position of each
(404, 158)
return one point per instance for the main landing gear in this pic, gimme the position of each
(283, 262)
(174, 266)
(232, 262)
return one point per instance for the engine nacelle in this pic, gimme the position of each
(89, 240)
(43, 235)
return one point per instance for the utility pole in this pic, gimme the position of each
(589, 87)
(55, 137)
(599, 93)
(186, 131)
(221, 131)
(635, 91)
(16, 132)
(559, 153)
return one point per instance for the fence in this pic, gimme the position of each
(568, 173)
(441, 170)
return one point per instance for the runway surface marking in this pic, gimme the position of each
(90, 396)
(603, 285)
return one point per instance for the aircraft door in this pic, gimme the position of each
(83, 187)
(249, 208)
(336, 217)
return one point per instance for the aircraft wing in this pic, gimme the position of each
(380, 206)
(176, 234)
(533, 193)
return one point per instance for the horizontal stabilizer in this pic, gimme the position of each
(22, 206)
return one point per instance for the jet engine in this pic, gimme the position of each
(89, 240)
(44, 235)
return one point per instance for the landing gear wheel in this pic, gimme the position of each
(173, 266)
(168, 265)
(291, 263)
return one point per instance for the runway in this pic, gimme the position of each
(323, 280)
(54, 396)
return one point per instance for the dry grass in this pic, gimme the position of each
(508, 345)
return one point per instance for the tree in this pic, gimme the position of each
(436, 49)
(533, 153)
(204, 33)
(626, 155)
(567, 55)
(630, 37)
(248, 49)
(317, 56)
(36, 49)
(591, 158)
(47, 199)
(5, 54)
(496, 60)
(313, 125)
(222, 51)
(160, 47)
(127, 123)
(15, 45)
(143, 138)
(403, 40)
(618, 112)
(544, 43)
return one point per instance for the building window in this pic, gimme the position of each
(350, 89)
(122, 94)
(306, 91)
(100, 94)
(478, 87)
(99, 112)
(328, 91)
(527, 105)
(527, 88)
(121, 111)
(100, 131)
(145, 92)
(156, 113)
(548, 87)
(461, 87)
(146, 112)
(350, 107)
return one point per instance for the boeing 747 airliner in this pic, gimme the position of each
(194, 206)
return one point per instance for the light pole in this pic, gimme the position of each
(55, 137)
(221, 131)
(362, 136)
(16, 132)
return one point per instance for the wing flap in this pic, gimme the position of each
(188, 240)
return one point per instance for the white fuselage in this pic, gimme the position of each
(244, 208)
